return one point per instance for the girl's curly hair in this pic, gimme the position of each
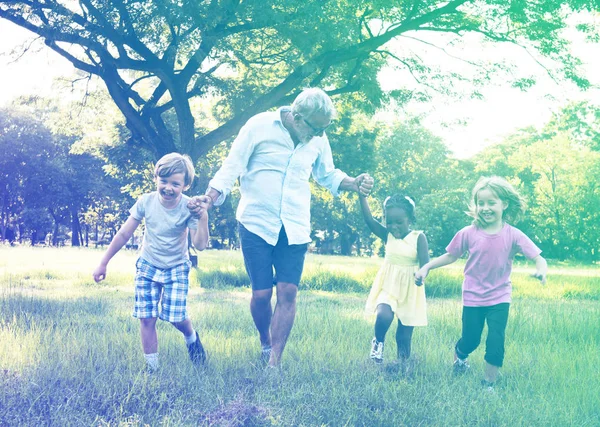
(403, 202)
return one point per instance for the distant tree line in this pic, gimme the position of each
(186, 76)
(69, 181)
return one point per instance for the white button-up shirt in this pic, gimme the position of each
(274, 178)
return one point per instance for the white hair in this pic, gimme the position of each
(313, 101)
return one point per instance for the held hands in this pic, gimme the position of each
(364, 184)
(199, 205)
(420, 276)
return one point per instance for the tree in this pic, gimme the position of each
(442, 215)
(403, 157)
(557, 170)
(155, 56)
(42, 178)
(580, 120)
(25, 149)
(556, 208)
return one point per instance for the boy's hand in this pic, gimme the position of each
(99, 273)
(420, 276)
(541, 276)
(198, 205)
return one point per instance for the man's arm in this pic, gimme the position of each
(242, 148)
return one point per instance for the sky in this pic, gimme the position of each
(465, 125)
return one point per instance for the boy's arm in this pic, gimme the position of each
(120, 239)
(200, 235)
(435, 263)
(541, 269)
(375, 226)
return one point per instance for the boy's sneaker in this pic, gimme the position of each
(196, 352)
(376, 351)
(150, 370)
(460, 366)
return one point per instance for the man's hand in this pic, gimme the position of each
(364, 184)
(198, 205)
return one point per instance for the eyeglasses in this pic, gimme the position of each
(316, 130)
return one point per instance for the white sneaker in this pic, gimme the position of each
(460, 366)
(376, 351)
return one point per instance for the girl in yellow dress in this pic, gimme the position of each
(394, 292)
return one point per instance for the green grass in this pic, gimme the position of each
(70, 351)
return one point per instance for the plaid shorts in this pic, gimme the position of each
(169, 286)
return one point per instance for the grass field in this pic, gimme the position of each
(70, 352)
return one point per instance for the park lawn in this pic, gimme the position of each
(70, 351)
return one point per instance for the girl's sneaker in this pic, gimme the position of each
(460, 366)
(376, 351)
(488, 385)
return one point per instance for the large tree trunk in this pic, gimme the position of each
(4, 222)
(75, 227)
(54, 228)
(346, 240)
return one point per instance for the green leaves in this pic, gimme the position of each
(257, 54)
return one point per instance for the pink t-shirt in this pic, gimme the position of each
(488, 268)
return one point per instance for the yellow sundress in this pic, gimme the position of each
(394, 283)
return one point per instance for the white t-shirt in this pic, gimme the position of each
(165, 243)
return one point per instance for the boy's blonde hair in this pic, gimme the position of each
(173, 163)
(504, 191)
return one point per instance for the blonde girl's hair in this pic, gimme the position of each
(173, 163)
(504, 191)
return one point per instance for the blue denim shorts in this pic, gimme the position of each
(261, 259)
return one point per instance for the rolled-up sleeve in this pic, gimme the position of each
(325, 173)
(235, 163)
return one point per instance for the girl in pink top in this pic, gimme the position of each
(492, 244)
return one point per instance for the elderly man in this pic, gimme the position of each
(274, 156)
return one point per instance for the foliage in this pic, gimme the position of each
(253, 55)
(403, 158)
(556, 169)
(43, 179)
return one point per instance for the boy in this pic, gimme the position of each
(163, 267)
